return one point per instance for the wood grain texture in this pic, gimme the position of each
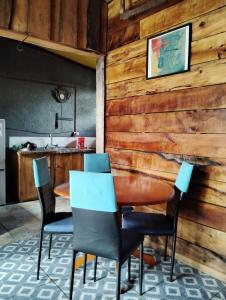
(127, 52)
(69, 26)
(208, 145)
(203, 50)
(94, 24)
(103, 27)
(212, 97)
(177, 14)
(83, 25)
(210, 48)
(207, 170)
(56, 19)
(203, 236)
(200, 75)
(202, 121)
(141, 8)
(39, 18)
(123, 36)
(208, 25)
(198, 257)
(20, 15)
(5, 13)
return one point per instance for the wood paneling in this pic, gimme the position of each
(213, 145)
(20, 15)
(5, 13)
(69, 17)
(123, 36)
(39, 18)
(154, 125)
(75, 23)
(184, 11)
(203, 259)
(208, 169)
(200, 75)
(82, 20)
(202, 121)
(210, 97)
(203, 50)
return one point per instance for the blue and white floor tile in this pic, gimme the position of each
(18, 276)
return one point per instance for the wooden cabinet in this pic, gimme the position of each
(26, 185)
(63, 163)
(59, 166)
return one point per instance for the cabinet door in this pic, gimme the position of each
(26, 185)
(63, 163)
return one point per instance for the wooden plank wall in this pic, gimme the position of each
(70, 22)
(152, 125)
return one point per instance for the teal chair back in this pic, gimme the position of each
(94, 210)
(97, 162)
(41, 172)
(181, 187)
(184, 177)
(44, 187)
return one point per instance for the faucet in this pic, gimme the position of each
(51, 141)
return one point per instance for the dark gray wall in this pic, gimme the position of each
(27, 79)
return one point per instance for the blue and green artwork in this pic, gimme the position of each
(169, 53)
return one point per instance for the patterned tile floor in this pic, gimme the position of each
(18, 272)
(18, 276)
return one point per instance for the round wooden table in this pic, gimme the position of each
(134, 191)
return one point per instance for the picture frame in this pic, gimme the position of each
(169, 52)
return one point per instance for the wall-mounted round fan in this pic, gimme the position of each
(61, 95)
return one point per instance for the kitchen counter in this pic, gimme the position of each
(57, 150)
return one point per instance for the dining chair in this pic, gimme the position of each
(160, 224)
(97, 162)
(98, 229)
(100, 163)
(51, 222)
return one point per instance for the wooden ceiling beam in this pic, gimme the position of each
(153, 6)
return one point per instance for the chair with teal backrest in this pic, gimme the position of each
(51, 221)
(99, 163)
(97, 229)
(160, 224)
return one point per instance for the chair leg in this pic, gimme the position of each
(84, 268)
(173, 256)
(39, 254)
(72, 273)
(129, 268)
(166, 244)
(118, 289)
(50, 244)
(141, 268)
(95, 269)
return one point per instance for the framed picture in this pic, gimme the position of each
(169, 52)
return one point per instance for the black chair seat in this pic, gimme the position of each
(148, 223)
(64, 225)
(130, 241)
(54, 217)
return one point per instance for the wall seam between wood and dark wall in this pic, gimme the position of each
(140, 141)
